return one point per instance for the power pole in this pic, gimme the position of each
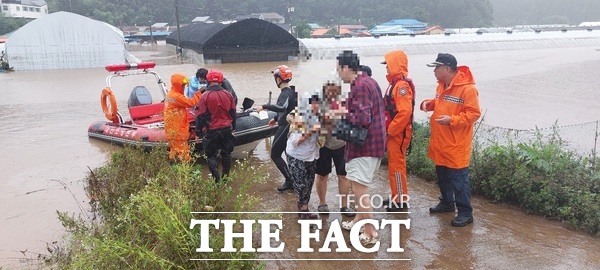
(150, 24)
(179, 51)
(339, 18)
(290, 11)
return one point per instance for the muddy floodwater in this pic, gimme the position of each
(46, 154)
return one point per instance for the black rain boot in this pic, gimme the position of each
(288, 185)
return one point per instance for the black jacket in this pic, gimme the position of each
(286, 102)
(229, 89)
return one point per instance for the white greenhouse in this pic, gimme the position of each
(64, 40)
(329, 48)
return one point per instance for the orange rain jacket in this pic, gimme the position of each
(397, 63)
(176, 109)
(400, 128)
(451, 145)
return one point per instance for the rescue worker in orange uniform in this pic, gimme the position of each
(177, 124)
(455, 111)
(399, 107)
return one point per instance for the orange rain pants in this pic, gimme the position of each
(400, 127)
(397, 168)
(180, 150)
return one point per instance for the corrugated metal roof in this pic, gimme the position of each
(160, 25)
(201, 19)
(270, 15)
(405, 22)
(247, 16)
(319, 32)
(390, 30)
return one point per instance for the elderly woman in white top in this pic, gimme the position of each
(302, 149)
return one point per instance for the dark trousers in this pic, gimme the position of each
(455, 187)
(215, 140)
(277, 149)
(303, 175)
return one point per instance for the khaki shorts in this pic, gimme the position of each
(361, 170)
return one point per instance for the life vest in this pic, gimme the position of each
(390, 103)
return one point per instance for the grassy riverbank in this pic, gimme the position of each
(543, 176)
(141, 216)
(141, 203)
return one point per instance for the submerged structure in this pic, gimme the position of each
(249, 40)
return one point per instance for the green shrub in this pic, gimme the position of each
(142, 204)
(417, 161)
(542, 176)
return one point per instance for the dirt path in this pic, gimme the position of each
(502, 236)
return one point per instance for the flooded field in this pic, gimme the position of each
(46, 154)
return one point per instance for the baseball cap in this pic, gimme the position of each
(444, 59)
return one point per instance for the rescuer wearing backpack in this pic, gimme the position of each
(399, 102)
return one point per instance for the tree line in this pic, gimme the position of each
(464, 13)
(448, 14)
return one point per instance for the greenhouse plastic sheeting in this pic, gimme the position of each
(64, 40)
(329, 48)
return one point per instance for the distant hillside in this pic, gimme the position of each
(446, 13)
(573, 12)
(464, 13)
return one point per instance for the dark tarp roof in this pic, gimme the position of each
(195, 35)
(219, 41)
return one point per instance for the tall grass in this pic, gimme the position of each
(417, 161)
(141, 205)
(542, 176)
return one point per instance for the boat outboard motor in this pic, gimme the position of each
(139, 96)
(247, 104)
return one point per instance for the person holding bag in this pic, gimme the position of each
(332, 150)
(365, 111)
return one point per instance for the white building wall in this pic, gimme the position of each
(23, 11)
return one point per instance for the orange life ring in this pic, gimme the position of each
(106, 98)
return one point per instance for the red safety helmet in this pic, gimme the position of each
(283, 72)
(214, 76)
